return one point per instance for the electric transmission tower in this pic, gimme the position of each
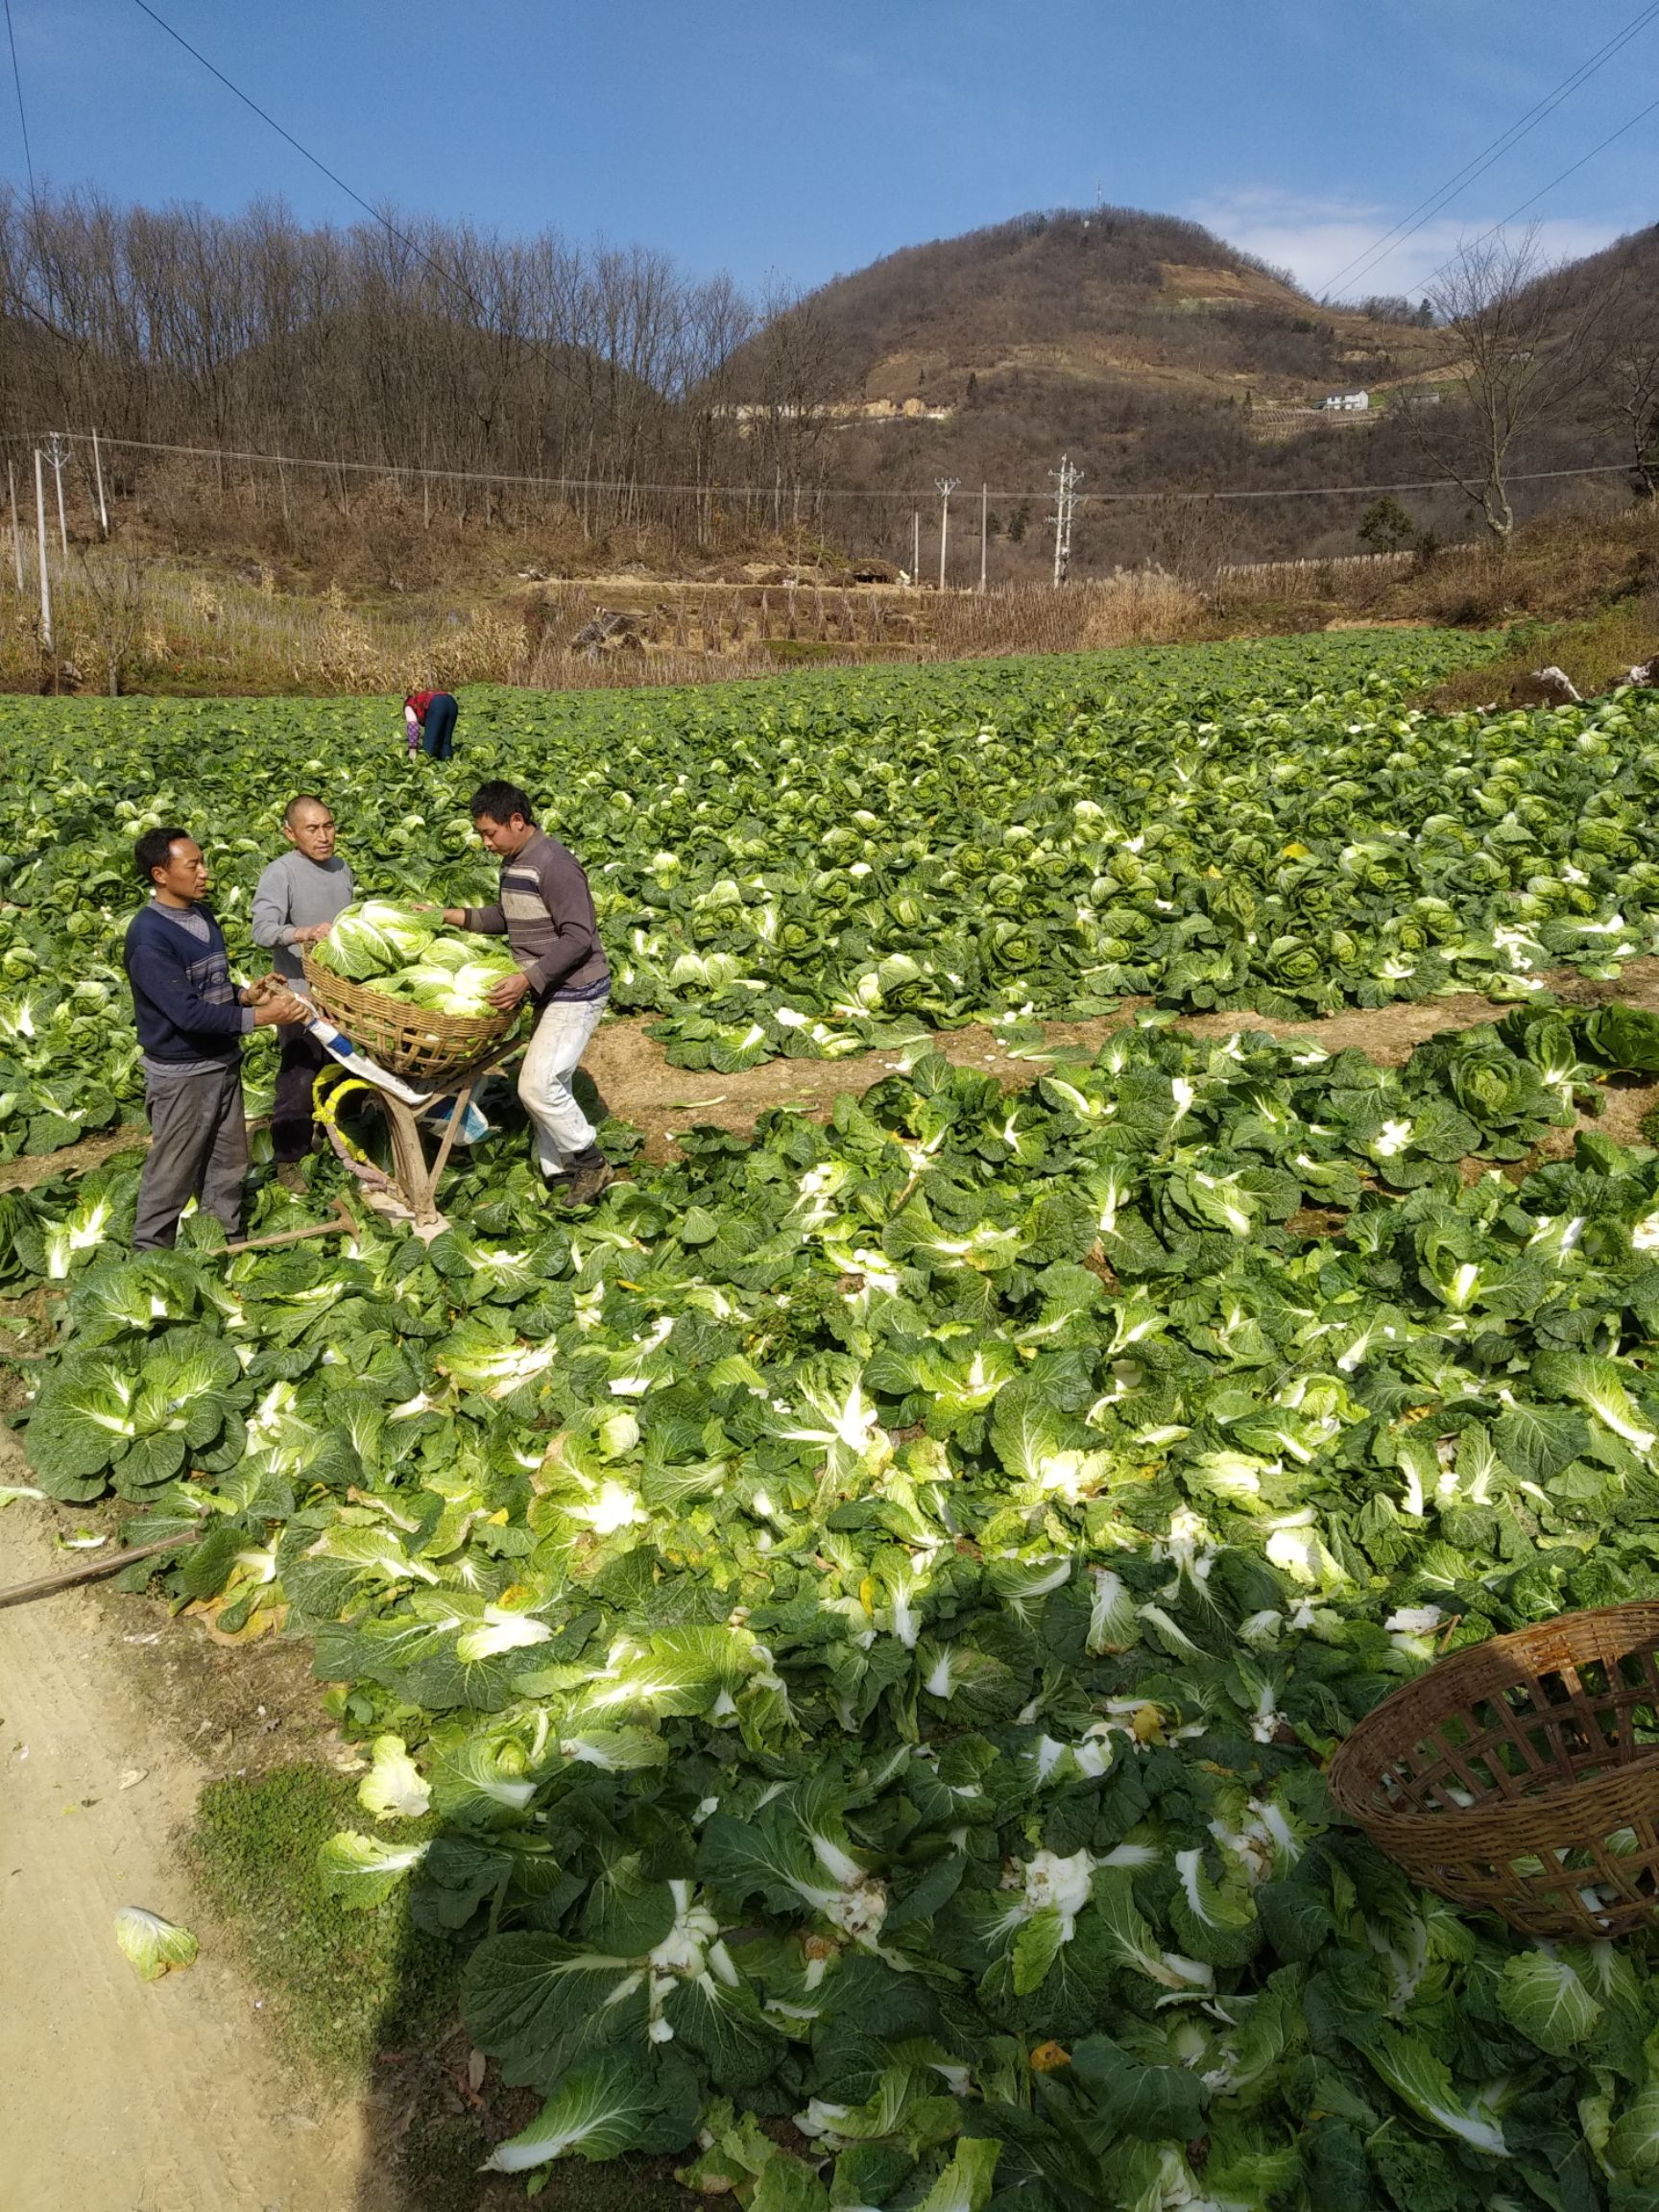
(945, 486)
(1065, 479)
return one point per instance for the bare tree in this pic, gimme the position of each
(1626, 388)
(1521, 345)
(405, 343)
(118, 585)
(787, 420)
(1192, 536)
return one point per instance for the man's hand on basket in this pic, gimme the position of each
(509, 992)
(279, 1008)
(314, 935)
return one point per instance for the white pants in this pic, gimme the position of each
(559, 1041)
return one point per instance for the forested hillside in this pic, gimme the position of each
(668, 406)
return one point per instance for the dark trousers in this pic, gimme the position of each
(438, 731)
(197, 1149)
(300, 1058)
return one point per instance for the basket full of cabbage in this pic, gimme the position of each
(413, 995)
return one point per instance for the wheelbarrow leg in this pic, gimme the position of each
(458, 1107)
(415, 1180)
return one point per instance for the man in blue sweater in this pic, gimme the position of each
(191, 1022)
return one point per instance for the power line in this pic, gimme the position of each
(22, 118)
(1336, 490)
(708, 487)
(1425, 209)
(305, 154)
(1545, 189)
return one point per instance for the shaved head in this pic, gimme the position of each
(310, 826)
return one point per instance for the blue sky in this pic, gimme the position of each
(791, 142)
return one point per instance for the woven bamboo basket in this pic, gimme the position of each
(408, 1041)
(1521, 1775)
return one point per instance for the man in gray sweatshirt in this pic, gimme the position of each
(545, 912)
(294, 906)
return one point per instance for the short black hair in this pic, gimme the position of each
(500, 802)
(154, 850)
(304, 798)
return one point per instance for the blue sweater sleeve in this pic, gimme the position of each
(158, 969)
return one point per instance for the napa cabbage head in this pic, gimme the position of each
(374, 936)
(444, 987)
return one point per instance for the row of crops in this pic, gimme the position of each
(818, 865)
(845, 1634)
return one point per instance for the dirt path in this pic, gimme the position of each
(635, 1080)
(120, 2095)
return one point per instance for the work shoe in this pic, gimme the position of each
(589, 1176)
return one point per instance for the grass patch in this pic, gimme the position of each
(343, 1984)
(1595, 654)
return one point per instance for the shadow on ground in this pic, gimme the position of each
(370, 1999)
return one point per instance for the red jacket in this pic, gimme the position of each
(420, 701)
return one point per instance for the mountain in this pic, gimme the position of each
(1107, 294)
(1154, 354)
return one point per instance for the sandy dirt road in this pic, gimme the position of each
(118, 2095)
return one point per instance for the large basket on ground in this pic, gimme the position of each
(1521, 1775)
(423, 1046)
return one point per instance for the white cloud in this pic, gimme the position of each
(1317, 239)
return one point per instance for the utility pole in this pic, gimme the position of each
(40, 542)
(57, 451)
(947, 485)
(915, 547)
(16, 530)
(98, 477)
(984, 514)
(1065, 479)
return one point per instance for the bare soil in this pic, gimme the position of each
(32, 1168)
(631, 1074)
(631, 1071)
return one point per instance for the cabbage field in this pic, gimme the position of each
(845, 1633)
(825, 863)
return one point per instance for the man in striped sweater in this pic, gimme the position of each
(191, 1022)
(545, 911)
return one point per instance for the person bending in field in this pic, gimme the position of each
(295, 904)
(429, 719)
(191, 1022)
(545, 912)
